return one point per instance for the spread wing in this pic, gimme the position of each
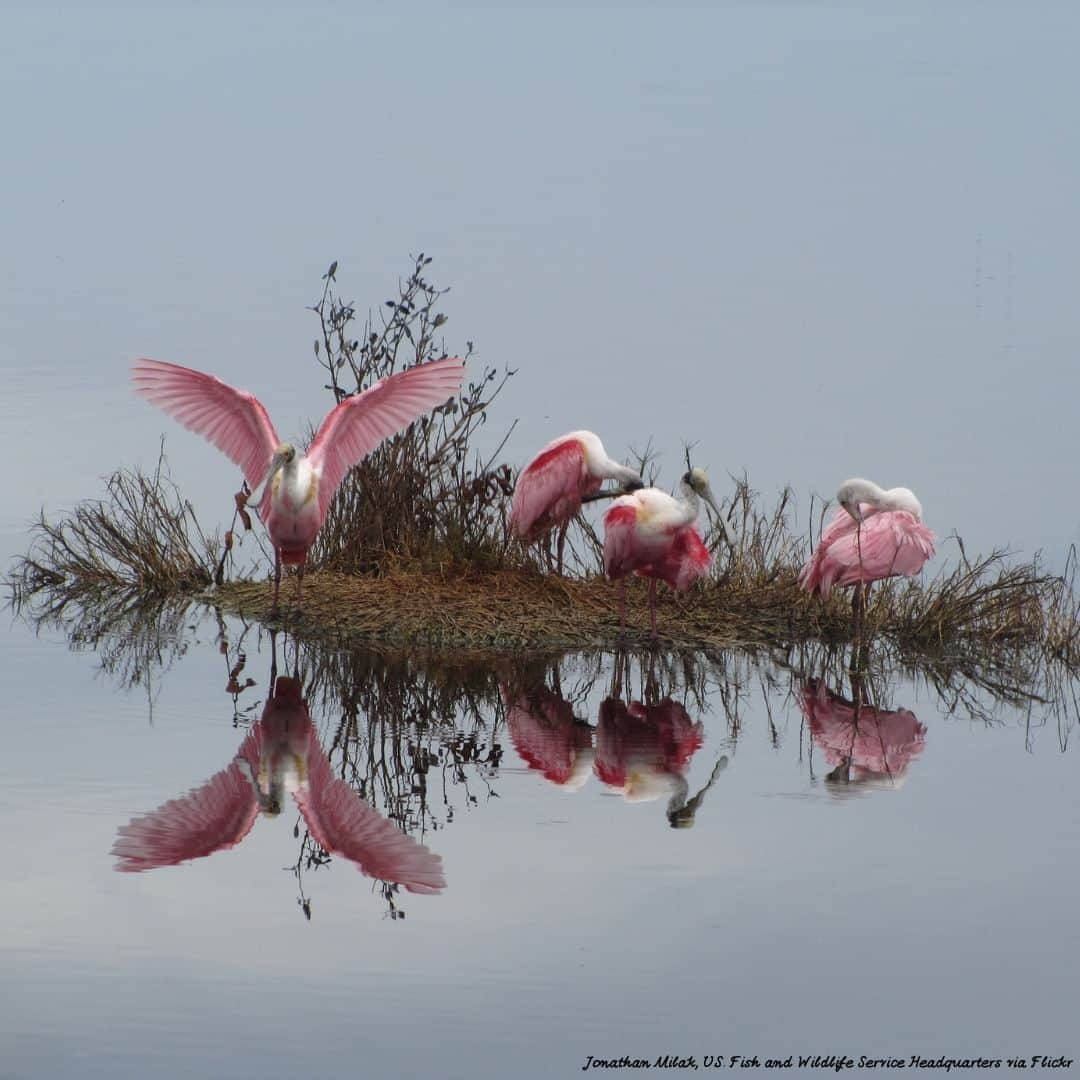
(346, 825)
(233, 420)
(217, 815)
(358, 424)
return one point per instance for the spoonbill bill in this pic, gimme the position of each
(282, 754)
(297, 487)
(875, 534)
(653, 534)
(551, 488)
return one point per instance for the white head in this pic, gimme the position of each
(855, 491)
(697, 482)
(284, 455)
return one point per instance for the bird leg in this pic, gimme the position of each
(561, 545)
(652, 607)
(273, 661)
(622, 608)
(859, 602)
(300, 585)
(277, 582)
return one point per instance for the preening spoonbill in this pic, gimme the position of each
(875, 534)
(298, 487)
(551, 488)
(651, 533)
(282, 754)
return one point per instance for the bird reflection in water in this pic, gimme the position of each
(548, 737)
(867, 747)
(644, 751)
(281, 755)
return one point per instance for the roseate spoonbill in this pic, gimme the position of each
(653, 534)
(875, 534)
(282, 754)
(567, 472)
(549, 738)
(297, 487)
(867, 746)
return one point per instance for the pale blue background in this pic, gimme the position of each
(817, 239)
(754, 226)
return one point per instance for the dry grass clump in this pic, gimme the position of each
(142, 540)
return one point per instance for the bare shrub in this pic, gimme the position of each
(424, 494)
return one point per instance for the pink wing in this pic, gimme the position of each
(620, 544)
(685, 561)
(889, 544)
(841, 524)
(345, 825)
(549, 489)
(677, 737)
(880, 742)
(661, 736)
(233, 420)
(546, 733)
(358, 424)
(218, 815)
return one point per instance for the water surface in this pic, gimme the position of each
(900, 884)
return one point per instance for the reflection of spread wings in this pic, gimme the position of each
(217, 815)
(343, 823)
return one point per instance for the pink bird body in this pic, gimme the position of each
(874, 744)
(549, 738)
(648, 533)
(886, 543)
(281, 755)
(550, 489)
(299, 488)
(654, 535)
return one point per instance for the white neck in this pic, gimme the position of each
(689, 499)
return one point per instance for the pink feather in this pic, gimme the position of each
(546, 734)
(215, 816)
(358, 424)
(889, 543)
(344, 824)
(550, 488)
(233, 420)
(656, 738)
(877, 742)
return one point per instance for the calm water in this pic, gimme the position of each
(899, 884)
